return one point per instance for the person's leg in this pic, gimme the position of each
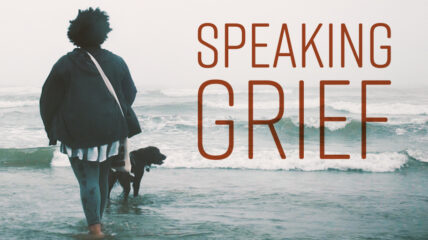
(87, 174)
(103, 183)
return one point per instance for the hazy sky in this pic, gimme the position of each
(158, 39)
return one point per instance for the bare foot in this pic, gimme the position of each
(95, 231)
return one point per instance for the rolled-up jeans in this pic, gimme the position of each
(93, 182)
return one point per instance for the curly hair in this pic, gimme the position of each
(90, 28)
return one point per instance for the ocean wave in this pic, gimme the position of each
(310, 104)
(167, 122)
(26, 157)
(350, 127)
(350, 107)
(256, 105)
(11, 104)
(263, 160)
(290, 126)
(20, 97)
(270, 160)
(418, 154)
(381, 108)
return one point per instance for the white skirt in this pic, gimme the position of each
(93, 154)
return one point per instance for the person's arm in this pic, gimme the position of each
(51, 99)
(128, 86)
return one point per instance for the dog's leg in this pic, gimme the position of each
(137, 180)
(125, 182)
(112, 178)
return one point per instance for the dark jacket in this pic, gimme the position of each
(76, 106)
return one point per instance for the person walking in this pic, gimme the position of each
(79, 110)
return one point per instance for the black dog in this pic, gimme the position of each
(141, 160)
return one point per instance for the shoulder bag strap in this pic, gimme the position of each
(106, 81)
(127, 167)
